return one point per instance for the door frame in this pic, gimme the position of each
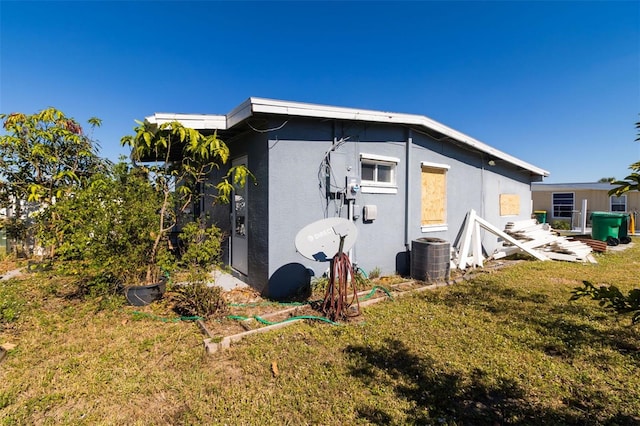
(240, 225)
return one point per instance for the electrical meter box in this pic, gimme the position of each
(352, 187)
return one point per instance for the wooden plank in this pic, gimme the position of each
(563, 256)
(489, 227)
(596, 245)
(466, 239)
(477, 246)
(521, 224)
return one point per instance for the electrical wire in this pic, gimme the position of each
(268, 130)
(325, 166)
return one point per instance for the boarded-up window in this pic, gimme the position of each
(434, 195)
(509, 204)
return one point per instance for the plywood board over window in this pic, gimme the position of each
(509, 204)
(434, 195)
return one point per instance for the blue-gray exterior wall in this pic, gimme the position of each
(254, 147)
(289, 193)
(296, 195)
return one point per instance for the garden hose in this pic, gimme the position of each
(257, 304)
(266, 322)
(373, 291)
(336, 304)
(311, 302)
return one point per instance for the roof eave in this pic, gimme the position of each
(271, 106)
(194, 121)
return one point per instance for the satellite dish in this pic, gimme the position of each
(320, 240)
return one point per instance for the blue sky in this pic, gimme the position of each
(556, 84)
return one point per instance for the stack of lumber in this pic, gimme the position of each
(542, 238)
(596, 245)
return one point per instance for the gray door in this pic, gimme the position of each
(239, 243)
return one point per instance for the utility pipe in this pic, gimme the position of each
(407, 189)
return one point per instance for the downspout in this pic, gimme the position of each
(407, 194)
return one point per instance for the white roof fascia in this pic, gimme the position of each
(272, 106)
(193, 121)
(239, 113)
(584, 186)
(269, 106)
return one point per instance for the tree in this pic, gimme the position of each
(631, 182)
(43, 157)
(610, 296)
(180, 161)
(606, 180)
(107, 227)
(612, 299)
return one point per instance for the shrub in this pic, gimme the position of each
(200, 245)
(561, 225)
(198, 299)
(375, 273)
(107, 226)
(611, 298)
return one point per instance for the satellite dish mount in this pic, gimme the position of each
(333, 236)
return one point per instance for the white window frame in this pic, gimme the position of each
(375, 186)
(623, 202)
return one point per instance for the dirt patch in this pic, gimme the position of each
(246, 310)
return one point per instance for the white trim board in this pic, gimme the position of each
(270, 106)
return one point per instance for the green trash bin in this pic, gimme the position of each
(623, 235)
(541, 216)
(606, 226)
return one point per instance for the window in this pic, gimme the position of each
(619, 204)
(378, 174)
(562, 204)
(433, 185)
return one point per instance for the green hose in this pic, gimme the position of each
(256, 317)
(257, 304)
(373, 291)
(266, 322)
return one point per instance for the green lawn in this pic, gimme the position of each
(506, 347)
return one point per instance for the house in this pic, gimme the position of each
(566, 201)
(399, 177)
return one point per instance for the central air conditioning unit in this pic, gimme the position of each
(430, 259)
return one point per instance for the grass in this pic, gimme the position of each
(506, 347)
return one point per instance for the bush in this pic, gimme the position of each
(375, 273)
(561, 225)
(611, 298)
(200, 245)
(107, 226)
(198, 299)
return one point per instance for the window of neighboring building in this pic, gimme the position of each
(619, 204)
(563, 204)
(378, 174)
(434, 197)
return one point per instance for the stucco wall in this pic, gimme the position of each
(295, 154)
